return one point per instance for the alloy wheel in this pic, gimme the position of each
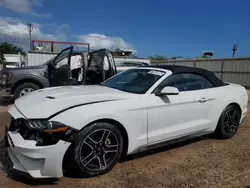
(231, 121)
(99, 149)
(25, 91)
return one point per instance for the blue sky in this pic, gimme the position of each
(164, 27)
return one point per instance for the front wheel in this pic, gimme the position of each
(25, 88)
(98, 148)
(229, 122)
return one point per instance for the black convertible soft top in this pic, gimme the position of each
(183, 69)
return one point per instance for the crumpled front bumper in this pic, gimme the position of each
(38, 161)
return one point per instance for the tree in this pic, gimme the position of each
(8, 48)
(158, 57)
(1, 58)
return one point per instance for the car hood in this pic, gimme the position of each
(47, 102)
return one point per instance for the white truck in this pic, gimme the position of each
(13, 60)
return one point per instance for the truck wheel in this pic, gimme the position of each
(25, 88)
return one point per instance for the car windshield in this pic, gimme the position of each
(134, 80)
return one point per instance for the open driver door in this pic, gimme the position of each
(59, 69)
(101, 66)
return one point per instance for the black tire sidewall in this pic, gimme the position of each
(23, 86)
(78, 143)
(220, 128)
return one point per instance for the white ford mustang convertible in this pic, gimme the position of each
(92, 127)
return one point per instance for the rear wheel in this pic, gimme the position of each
(229, 122)
(98, 148)
(25, 88)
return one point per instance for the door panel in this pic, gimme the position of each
(174, 116)
(59, 69)
(101, 66)
(95, 72)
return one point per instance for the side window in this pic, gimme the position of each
(196, 82)
(175, 80)
(186, 82)
(62, 59)
(206, 83)
(193, 81)
(61, 63)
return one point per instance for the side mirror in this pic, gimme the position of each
(168, 91)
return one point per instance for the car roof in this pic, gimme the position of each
(131, 61)
(175, 69)
(178, 68)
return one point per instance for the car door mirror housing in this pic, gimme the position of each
(168, 91)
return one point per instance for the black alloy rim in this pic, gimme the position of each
(231, 121)
(99, 149)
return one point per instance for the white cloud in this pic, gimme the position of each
(64, 26)
(38, 2)
(15, 31)
(56, 26)
(11, 20)
(24, 6)
(102, 41)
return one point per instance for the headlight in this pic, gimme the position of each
(44, 132)
(47, 126)
(4, 77)
(50, 132)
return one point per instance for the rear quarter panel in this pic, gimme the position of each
(221, 97)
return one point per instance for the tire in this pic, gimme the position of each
(21, 87)
(2, 147)
(85, 148)
(226, 130)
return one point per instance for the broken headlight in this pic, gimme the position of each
(46, 132)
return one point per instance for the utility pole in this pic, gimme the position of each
(30, 28)
(235, 49)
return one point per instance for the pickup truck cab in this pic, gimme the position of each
(96, 66)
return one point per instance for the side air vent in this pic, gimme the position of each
(50, 97)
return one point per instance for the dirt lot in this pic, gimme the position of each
(203, 162)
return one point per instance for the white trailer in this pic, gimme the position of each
(39, 58)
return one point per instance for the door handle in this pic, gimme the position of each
(203, 99)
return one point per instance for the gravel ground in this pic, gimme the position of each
(203, 162)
